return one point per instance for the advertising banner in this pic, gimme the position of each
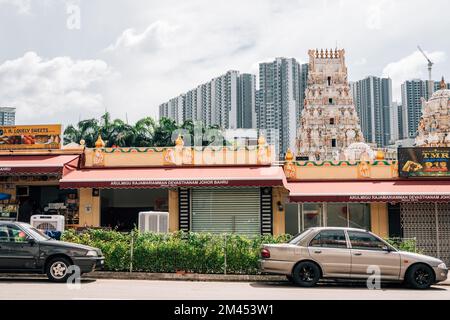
(424, 162)
(30, 137)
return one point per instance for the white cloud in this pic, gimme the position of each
(411, 67)
(58, 88)
(22, 6)
(156, 36)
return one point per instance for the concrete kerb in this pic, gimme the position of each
(168, 276)
(158, 276)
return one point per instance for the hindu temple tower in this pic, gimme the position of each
(329, 123)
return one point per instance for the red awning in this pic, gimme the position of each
(369, 191)
(18, 165)
(173, 177)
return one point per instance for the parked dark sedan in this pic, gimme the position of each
(24, 248)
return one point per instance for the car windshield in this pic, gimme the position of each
(35, 233)
(299, 236)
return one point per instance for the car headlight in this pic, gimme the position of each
(442, 266)
(91, 253)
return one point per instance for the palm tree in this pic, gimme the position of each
(144, 133)
(162, 136)
(86, 130)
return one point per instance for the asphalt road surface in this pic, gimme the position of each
(40, 289)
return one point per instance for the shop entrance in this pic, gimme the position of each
(120, 207)
(48, 200)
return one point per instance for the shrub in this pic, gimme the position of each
(190, 252)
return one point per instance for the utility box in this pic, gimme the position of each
(48, 222)
(154, 221)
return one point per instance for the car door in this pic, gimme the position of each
(16, 252)
(367, 250)
(329, 248)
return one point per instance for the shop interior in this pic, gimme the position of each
(120, 207)
(47, 200)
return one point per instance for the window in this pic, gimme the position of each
(330, 101)
(337, 215)
(331, 120)
(329, 239)
(329, 81)
(355, 215)
(299, 217)
(359, 215)
(11, 233)
(311, 215)
(365, 241)
(333, 143)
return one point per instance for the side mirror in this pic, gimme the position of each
(387, 249)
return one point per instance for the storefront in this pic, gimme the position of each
(428, 221)
(411, 209)
(202, 199)
(215, 190)
(32, 183)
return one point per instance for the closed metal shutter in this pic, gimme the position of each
(226, 210)
(429, 224)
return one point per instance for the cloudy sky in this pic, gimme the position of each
(65, 60)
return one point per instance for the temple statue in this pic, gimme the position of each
(433, 129)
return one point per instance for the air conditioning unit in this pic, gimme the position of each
(154, 221)
(48, 222)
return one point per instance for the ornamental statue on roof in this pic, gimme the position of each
(434, 125)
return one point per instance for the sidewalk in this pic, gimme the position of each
(172, 276)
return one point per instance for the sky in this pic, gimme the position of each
(66, 60)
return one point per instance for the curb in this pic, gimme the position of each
(158, 276)
(183, 277)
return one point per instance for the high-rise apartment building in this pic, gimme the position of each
(373, 100)
(227, 101)
(280, 100)
(7, 116)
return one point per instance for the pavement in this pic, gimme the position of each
(105, 289)
(171, 276)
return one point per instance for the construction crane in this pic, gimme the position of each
(430, 67)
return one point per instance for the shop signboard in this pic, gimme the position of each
(30, 137)
(424, 162)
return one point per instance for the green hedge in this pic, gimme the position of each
(190, 252)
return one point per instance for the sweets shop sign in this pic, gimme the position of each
(424, 162)
(30, 137)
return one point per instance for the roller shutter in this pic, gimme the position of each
(226, 210)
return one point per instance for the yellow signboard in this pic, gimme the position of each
(30, 137)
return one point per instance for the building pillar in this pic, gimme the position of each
(89, 208)
(379, 219)
(173, 210)
(278, 202)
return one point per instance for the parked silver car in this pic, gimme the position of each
(348, 253)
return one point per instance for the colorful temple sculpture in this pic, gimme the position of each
(329, 123)
(434, 126)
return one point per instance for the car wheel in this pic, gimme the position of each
(420, 276)
(58, 269)
(306, 274)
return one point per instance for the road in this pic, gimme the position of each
(40, 289)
